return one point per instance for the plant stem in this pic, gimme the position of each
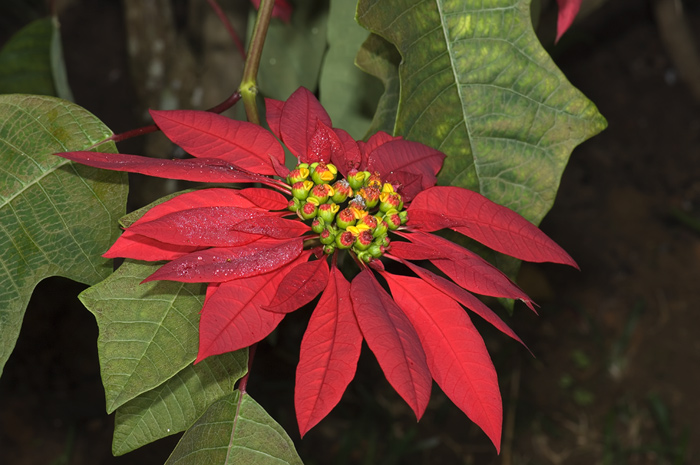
(244, 381)
(249, 88)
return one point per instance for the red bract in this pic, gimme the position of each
(266, 252)
(568, 9)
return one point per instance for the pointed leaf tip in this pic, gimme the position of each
(393, 340)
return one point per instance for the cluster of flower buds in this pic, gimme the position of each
(354, 213)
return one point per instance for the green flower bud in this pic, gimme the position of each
(327, 211)
(365, 256)
(318, 225)
(324, 173)
(393, 220)
(375, 250)
(345, 239)
(356, 179)
(294, 204)
(298, 174)
(389, 201)
(341, 191)
(404, 217)
(309, 209)
(381, 229)
(329, 249)
(364, 240)
(345, 218)
(321, 192)
(301, 189)
(370, 195)
(327, 236)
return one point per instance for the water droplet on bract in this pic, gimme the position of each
(199, 257)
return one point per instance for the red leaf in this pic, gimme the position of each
(139, 247)
(266, 199)
(468, 269)
(392, 338)
(348, 158)
(568, 9)
(224, 264)
(323, 144)
(410, 251)
(202, 226)
(195, 169)
(329, 353)
(398, 159)
(456, 353)
(298, 122)
(208, 135)
(300, 286)
(377, 139)
(272, 226)
(463, 297)
(273, 114)
(493, 225)
(232, 315)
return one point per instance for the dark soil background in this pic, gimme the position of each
(615, 376)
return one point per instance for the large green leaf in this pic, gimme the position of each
(25, 60)
(293, 52)
(348, 94)
(477, 84)
(381, 59)
(235, 430)
(148, 332)
(56, 217)
(176, 404)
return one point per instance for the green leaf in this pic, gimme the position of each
(58, 65)
(235, 430)
(57, 218)
(477, 84)
(381, 59)
(148, 332)
(293, 52)
(25, 60)
(348, 94)
(176, 404)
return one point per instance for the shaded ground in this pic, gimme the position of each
(615, 376)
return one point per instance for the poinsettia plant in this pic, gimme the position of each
(264, 254)
(369, 231)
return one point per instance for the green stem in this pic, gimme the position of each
(249, 88)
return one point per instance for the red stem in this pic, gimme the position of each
(229, 27)
(243, 384)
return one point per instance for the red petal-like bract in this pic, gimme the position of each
(190, 169)
(273, 115)
(233, 315)
(301, 286)
(136, 246)
(455, 351)
(203, 226)
(266, 199)
(399, 161)
(298, 122)
(348, 158)
(463, 297)
(208, 135)
(392, 338)
(324, 143)
(464, 267)
(224, 264)
(493, 225)
(329, 353)
(568, 9)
